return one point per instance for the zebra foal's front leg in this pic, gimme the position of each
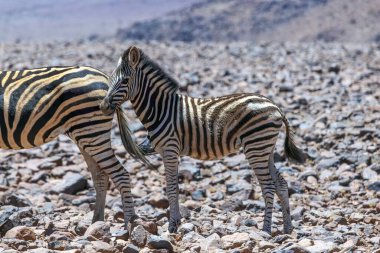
(170, 159)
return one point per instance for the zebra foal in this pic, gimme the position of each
(203, 128)
(37, 105)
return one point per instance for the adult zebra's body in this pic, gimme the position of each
(37, 105)
(207, 128)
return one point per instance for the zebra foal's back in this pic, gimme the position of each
(37, 105)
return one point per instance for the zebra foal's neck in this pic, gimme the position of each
(153, 90)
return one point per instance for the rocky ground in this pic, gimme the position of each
(330, 94)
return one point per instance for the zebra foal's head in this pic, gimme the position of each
(122, 80)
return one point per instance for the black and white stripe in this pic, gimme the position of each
(203, 128)
(37, 105)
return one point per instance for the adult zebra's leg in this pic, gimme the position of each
(283, 195)
(258, 160)
(101, 180)
(170, 159)
(110, 165)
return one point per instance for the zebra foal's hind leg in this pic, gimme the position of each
(170, 159)
(101, 180)
(258, 160)
(283, 195)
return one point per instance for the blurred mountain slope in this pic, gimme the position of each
(265, 20)
(70, 20)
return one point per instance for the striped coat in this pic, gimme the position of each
(37, 105)
(203, 128)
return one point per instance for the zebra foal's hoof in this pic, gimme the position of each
(173, 225)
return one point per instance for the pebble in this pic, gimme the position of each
(21, 233)
(158, 200)
(130, 248)
(157, 242)
(139, 236)
(334, 196)
(102, 247)
(234, 240)
(98, 230)
(71, 184)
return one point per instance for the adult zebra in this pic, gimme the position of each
(207, 128)
(37, 105)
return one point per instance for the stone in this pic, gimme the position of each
(234, 240)
(71, 184)
(356, 217)
(189, 171)
(232, 205)
(327, 163)
(102, 247)
(157, 242)
(218, 195)
(98, 230)
(139, 236)
(369, 174)
(130, 248)
(121, 234)
(58, 245)
(186, 228)
(320, 246)
(158, 200)
(21, 233)
(149, 226)
(374, 186)
(211, 243)
(198, 195)
(15, 199)
(297, 213)
(82, 226)
(264, 245)
(184, 211)
(250, 223)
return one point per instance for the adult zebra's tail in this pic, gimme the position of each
(137, 151)
(292, 152)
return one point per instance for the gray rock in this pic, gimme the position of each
(98, 230)
(102, 247)
(327, 163)
(186, 228)
(297, 213)
(130, 248)
(139, 236)
(71, 184)
(369, 174)
(232, 205)
(374, 186)
(198, 195)
(189, 171)
(158, 200)
(157, 242)
(218, 195)
(15, 199)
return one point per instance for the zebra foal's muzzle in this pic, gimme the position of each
(106, 107)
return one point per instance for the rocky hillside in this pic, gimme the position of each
(259, 20)
(330, 93)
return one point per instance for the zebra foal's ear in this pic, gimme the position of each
(134, 56)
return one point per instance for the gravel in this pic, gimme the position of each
(330, 94)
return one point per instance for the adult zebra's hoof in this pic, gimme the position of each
(173, 225)
(288, 229)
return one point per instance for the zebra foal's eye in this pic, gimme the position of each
(125, 80)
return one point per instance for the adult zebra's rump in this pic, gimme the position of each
(203, 128)
(37, 105)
